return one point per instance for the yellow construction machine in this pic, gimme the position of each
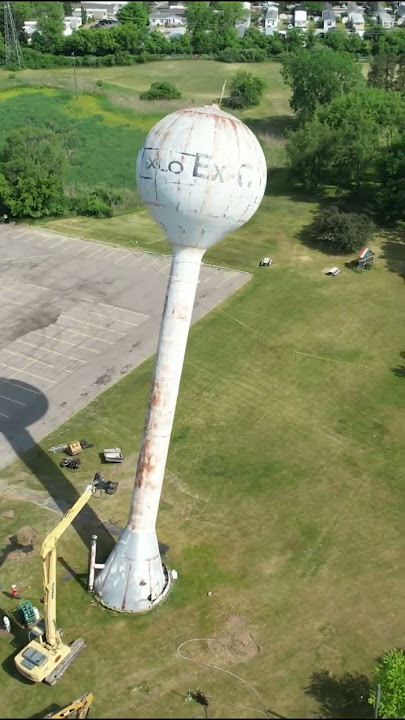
(78, 708)
(46, 657)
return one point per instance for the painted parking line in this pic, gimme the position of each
(126, 322)
(17, 402)
(3, 415)
(152, 263)
(91, 337)
(131, 312)
(99, 249)
(52, 351)
(100, 327)
(25, 372)
(25, 389)
(14, 302)
(124, 257)
(12, 352)
(65, 342)
(111, 253)
(58, 242)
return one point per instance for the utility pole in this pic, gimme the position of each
(13, 49)
(74, 71)
(377, 701)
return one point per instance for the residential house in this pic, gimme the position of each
(244, 24)
(271, 20)
(401, 13)
(29, 27)
(300, 19)
(385, 20)
(167, 17)
(101, 10)
(352, 7)
(357, 22)
(329, 20)
(70, 24)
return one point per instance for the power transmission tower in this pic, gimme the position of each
(13, 49)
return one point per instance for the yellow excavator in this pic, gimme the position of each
(46, 657)
(78, 708)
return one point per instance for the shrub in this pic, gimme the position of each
(343, 232)
(91, 205)
(161, 91)
(246, 90)
(98, 202)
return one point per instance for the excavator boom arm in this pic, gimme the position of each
(48, 554)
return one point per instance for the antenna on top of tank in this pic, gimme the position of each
(222, 93)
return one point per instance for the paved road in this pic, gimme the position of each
(76, 316)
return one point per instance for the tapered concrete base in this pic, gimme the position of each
(133, 579)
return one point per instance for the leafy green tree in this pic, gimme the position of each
(382, 73)
(317, 76)
(226, 37)
(346, 140)
(200, 16)
(32, 165)
(390, 675)
(48, 36)
(81, 42)
(67, 8)
(275, 44)
(400, 79)
(129, 38)
(227, 13)
(155, 43)
(201, 42)
(161, 91)
(308, 151)
(246, 90)
(392, 192)
(294, 39)
(342, 232)
(134, 13)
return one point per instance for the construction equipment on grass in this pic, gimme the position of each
(72, 463)
(27, 612)
(113, 455)
(78, 708)
(46, 657)
(58, 448)
(74, 448)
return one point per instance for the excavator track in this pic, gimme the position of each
(76, 647)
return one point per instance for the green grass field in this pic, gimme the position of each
(283, 490)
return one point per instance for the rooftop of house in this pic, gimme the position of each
(384, 15)
(328, 15)
(96, 5)
(357, 17)
(272, 12)
(300, 14)
(166, 13)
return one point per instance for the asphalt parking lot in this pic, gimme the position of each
(77, 315)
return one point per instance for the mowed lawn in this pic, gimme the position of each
(282, 495)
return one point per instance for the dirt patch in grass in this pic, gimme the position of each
(26, 535)
(235, 643)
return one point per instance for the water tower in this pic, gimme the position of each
(202, 174)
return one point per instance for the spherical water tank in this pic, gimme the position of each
(202, 174)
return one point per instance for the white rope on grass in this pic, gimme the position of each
(228, 672)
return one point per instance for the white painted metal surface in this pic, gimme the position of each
(202, 174)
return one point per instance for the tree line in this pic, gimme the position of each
(350, 132)
(210, 33)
